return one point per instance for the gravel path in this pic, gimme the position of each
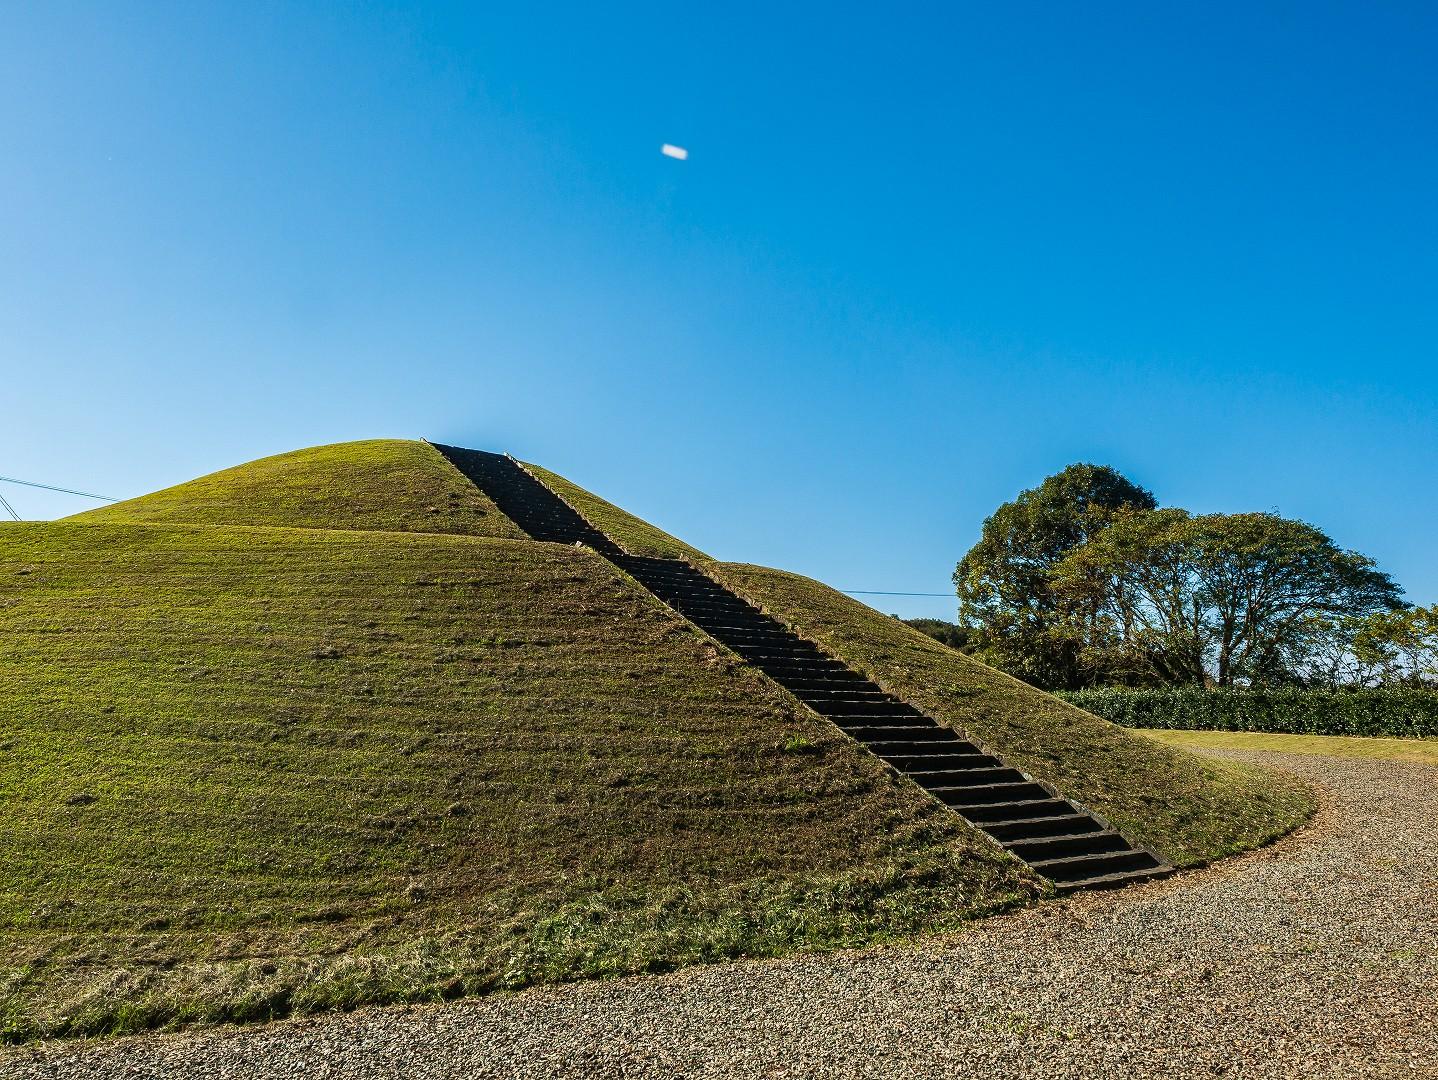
(1314, 958)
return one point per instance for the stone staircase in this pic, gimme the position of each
(1072, 847)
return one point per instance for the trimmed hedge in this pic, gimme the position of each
(1400, 712)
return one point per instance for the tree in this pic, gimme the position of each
(1006, 600)
(1397, 647)
(953, 635)
(1163, 596)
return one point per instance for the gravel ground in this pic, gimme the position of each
(1313, 958)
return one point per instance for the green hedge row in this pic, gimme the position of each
(1402, 713)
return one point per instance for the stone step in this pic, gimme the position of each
(885, 732)
(937, 761)
(829, 681)
(947, 742)
(1036, 848)
(948, 779)
(846, 710)
(961, 798)
(783, 669)
(1115, 880)
(1035, 827)
(874, 702)
(1019, 809)
(708, 609)
(1081, 867)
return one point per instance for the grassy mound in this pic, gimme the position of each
(633, 534)
(285, 739)
(383, 484)
(250, 771)
(1190, 809)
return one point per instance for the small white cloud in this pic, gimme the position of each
(676, 152)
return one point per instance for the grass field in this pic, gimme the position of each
(249, 771)
(384, 484)
(1190, 809)
(1424, 751)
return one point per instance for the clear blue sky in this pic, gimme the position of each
(916, 261)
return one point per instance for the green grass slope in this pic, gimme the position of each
(1190, 809)
(383, 484)
(633, 534)
(252, 771)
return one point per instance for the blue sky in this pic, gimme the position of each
(917, 259)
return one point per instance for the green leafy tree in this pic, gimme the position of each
(1397, 648)
(1162, 596)
(954, 635)
(1014, 618)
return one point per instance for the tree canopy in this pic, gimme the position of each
(1005, 582)
(1084, 580)
(954, 635)
(1394, 647)
(1167, 597)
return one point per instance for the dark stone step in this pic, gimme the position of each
(770, 648)
(856, 695)
(755, 625)
(767, 656)
(859, 690)
(847, 711)
(907, 761)
(1114, 881)
(727, 626)
(781, 651)
(670, 579)
(700, 588)
(767, 659)
(884, 732)
(1080, 867)
(827, 681)
(704, 600)
(775, 660)
(961, 798)
(751, 635)
(853, 718)
(707, 606)
(734, 622)
(1019, 810)
(702, 597)
(1064, 845)
(803, 668)
(945, 741)
(948, 779)
(860, 703)
(1025, 828)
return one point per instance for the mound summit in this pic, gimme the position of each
(329, 728)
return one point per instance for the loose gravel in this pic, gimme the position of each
(1317, 957)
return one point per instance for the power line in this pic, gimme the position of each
(8, 508)
(52, 487)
